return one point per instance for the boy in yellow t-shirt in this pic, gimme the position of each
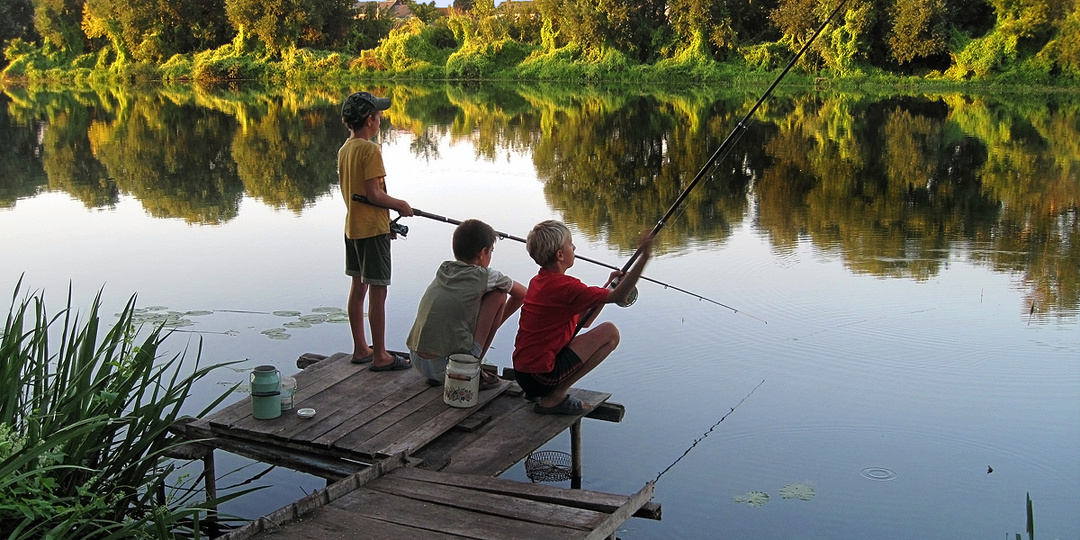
(367, 229)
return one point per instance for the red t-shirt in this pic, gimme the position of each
(548, 318)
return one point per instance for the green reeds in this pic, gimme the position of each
(83, 430)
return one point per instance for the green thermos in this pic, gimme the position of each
(265, 384)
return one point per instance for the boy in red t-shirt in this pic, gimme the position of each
(548, 358)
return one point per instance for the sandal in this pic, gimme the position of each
(569, 406)
(399, 363)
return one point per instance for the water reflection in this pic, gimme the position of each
(893, 186)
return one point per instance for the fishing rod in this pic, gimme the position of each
(722, 151)
(403, 230)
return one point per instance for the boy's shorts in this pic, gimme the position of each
(369, 259)
(435, 368)
(567, 363)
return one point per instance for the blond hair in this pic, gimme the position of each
(545, 240)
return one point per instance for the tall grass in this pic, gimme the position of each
(83, 430)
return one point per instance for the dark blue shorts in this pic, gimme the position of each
(567, 363)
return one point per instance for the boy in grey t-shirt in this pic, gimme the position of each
(465, 304)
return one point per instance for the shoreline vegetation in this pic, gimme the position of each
(1024, 46)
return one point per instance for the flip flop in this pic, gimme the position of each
(569, 406)
(399, 363)
(365, 360)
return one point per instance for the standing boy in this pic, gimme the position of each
(367, 229)
(548, 358)
(464, 306)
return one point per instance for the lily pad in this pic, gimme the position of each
(753, 498)
(198, 313)
(802, 492)
(297, 324)
(287, 313)
(314, 318)
(281, 335)
(340, 317)
(326, 309)
(272, 331)
(156, 308)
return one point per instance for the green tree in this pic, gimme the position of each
(368, 29)
(281, 24)
(425, 12)
(155, 30)
(59, 24)
(919, 29)
(16, 22)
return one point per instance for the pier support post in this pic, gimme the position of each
(575, 455)
(210, 473)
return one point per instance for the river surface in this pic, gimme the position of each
(901, 276)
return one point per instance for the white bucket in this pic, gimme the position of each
(462, 384)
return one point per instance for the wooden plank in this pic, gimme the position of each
(333, 523)
(617, 518)
(576, 498)
(317, 499)
(397, 424)
(507, 441)
(242, 408)
(443, 421)
(463, 523)
(489, 503)
(345, 406)
(334, 382)
(443, 449)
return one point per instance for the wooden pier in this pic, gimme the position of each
(401, 463)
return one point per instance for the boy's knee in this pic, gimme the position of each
(611, 332)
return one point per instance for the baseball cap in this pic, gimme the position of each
(360, 105)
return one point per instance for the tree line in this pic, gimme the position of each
(1020, 41)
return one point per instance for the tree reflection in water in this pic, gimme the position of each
(892, 185)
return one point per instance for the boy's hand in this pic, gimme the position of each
(405, 210)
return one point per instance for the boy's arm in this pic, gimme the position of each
(513, 303)
(621, 292)
(378, 197)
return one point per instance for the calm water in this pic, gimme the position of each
(916, 258)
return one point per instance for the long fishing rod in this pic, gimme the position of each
(722, 151)
(404, 231)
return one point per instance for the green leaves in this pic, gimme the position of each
(83, 430)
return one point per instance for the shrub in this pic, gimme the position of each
(83, 430)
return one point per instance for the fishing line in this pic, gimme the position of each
(722, 151)
(403, 230)
(702, 438)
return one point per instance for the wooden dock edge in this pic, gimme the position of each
(607, 411)
(317, 499)
(611, 524)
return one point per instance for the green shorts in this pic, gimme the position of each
(369, 259)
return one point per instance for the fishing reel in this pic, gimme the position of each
(630, 299)
(398, 228)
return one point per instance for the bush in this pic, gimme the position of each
(490, 60)
(83, 431)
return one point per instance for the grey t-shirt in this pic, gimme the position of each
(446, 319)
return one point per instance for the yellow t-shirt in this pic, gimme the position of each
(358, 161)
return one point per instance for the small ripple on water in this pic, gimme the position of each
(880, 474)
